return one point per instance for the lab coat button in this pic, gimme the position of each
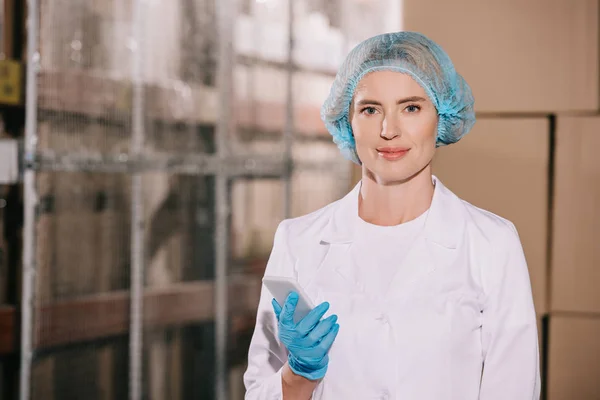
(382, 319)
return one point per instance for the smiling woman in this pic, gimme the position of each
(392, 119)
(429, 296)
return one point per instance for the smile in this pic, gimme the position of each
(391, 154)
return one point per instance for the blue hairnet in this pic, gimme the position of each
(409, 53)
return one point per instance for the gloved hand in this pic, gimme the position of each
(308, 341)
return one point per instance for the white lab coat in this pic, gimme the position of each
(457, 321)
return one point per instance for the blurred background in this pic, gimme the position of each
(149, 148)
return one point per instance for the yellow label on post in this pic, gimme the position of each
(10, 82)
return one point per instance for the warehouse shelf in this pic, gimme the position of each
(107, 99)
(76, 320)
(259, 61)
(259, 166)
(192, 164)
(99, 96)
(172, 155)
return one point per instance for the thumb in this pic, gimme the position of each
(289, 307)
(276, 308)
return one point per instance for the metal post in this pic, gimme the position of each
(226, 13)
(30, 201)
(137, 211)
(288, 134)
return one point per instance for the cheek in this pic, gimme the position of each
(422, 131)
(365, 130)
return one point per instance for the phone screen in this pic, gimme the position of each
(281, 287)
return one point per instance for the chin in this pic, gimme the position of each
(392, 172)
(388, 175)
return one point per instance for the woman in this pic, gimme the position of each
(429, 296)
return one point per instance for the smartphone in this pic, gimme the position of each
(280, 287)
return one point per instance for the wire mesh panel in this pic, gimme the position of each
(169, 141)
(83, 230)
(88, 50)
(318, 51)
(114, 90)
(321, 176)
(84, 81)
(257, 209)
(97, 370)
(81, 305)
(179, 74)
(178, 295)
(261, 75)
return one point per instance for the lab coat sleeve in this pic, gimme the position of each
(267, 355)
(509, 328)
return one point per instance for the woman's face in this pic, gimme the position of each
(394, 125)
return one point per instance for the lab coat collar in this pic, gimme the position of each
(444, 225)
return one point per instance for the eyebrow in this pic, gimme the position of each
(401, 101)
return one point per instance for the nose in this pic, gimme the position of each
(390, 128)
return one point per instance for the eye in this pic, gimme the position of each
(369, 110)
(413, 108)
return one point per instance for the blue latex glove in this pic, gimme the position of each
(308, 341)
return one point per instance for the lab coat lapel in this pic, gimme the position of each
(436, 247)
(340, 260)
(337, 267)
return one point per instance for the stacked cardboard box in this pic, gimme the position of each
(518, 56)
(574, 354)
(526, 61)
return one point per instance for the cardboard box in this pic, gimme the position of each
(576, 229)
(573, 358)
(517, 56)
(502, 166)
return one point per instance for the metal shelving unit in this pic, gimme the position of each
(87, 127)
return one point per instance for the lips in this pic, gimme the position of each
(392, 153)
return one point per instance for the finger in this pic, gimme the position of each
(276, 308)
(329, 338)
(312, 318)
(287, 313)
(322, 329)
